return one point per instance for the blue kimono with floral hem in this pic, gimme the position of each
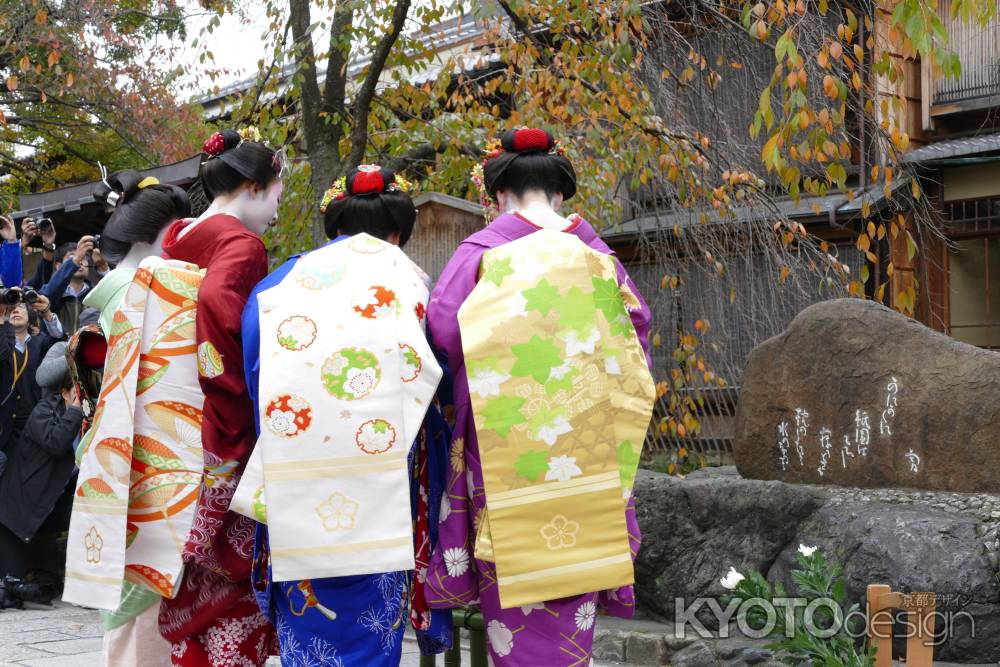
(355, 621)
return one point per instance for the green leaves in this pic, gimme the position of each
(536, 359)
(532, 465)
(628, 462)
(503, 413)
(541, 298)
(815, 579)
(499, 270)
(608, 298)
(576, 310)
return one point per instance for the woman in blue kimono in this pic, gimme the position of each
(366, 630)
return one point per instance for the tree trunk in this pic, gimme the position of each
(322, 139)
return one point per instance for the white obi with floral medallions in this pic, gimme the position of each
(346, 376)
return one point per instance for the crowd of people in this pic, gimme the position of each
(302, 463)
(40, 412)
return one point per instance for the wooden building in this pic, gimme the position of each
(443, 222)
(76, 213)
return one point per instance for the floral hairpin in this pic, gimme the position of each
(490, 208)
(369, 180)
(251, 133)
(215, 145)
(335, 192)
(401, 184)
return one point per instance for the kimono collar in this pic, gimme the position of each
(511, 227)
(201, 244)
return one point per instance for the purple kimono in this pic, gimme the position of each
(558, 633)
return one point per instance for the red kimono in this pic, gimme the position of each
(214, 616)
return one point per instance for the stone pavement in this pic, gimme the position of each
(69, 636)
(60, 636)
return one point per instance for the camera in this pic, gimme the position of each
(14, 296)
(14, 592)
(45, 225)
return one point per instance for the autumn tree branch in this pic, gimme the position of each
(279, 53)
(335, 93)
(363, 99)
(305, 60)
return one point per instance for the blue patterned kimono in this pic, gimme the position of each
(355, 621)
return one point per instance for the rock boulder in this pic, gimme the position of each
(853, 393)
(912, 550)
(695, 529)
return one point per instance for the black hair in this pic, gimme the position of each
(140, 213)
(527, 163)
(62, 250)
(380, 212)
(34, 319)
(231, 162)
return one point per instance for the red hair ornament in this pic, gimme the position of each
(214, 145)
(531, 138)
(368, 180)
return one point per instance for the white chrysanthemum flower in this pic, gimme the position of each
(360, 381)
(585, 615)
(456, 561)
(732, 579)
(806, 551)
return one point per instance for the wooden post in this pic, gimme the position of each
(920, 613)
(926, 94)
(880, 624)
(903, 268)
(920, 646)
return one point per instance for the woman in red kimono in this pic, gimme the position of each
(214, 619)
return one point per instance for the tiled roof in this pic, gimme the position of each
(942, 150)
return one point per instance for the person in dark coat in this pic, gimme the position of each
(36, 491)
(20, 356)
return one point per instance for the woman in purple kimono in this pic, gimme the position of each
(527, 178)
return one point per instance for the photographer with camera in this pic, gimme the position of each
(20, 355)
(41, 228)
(70, 284)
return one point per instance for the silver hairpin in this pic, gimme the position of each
(113, 196)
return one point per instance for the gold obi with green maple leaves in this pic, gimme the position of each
(562, 397)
